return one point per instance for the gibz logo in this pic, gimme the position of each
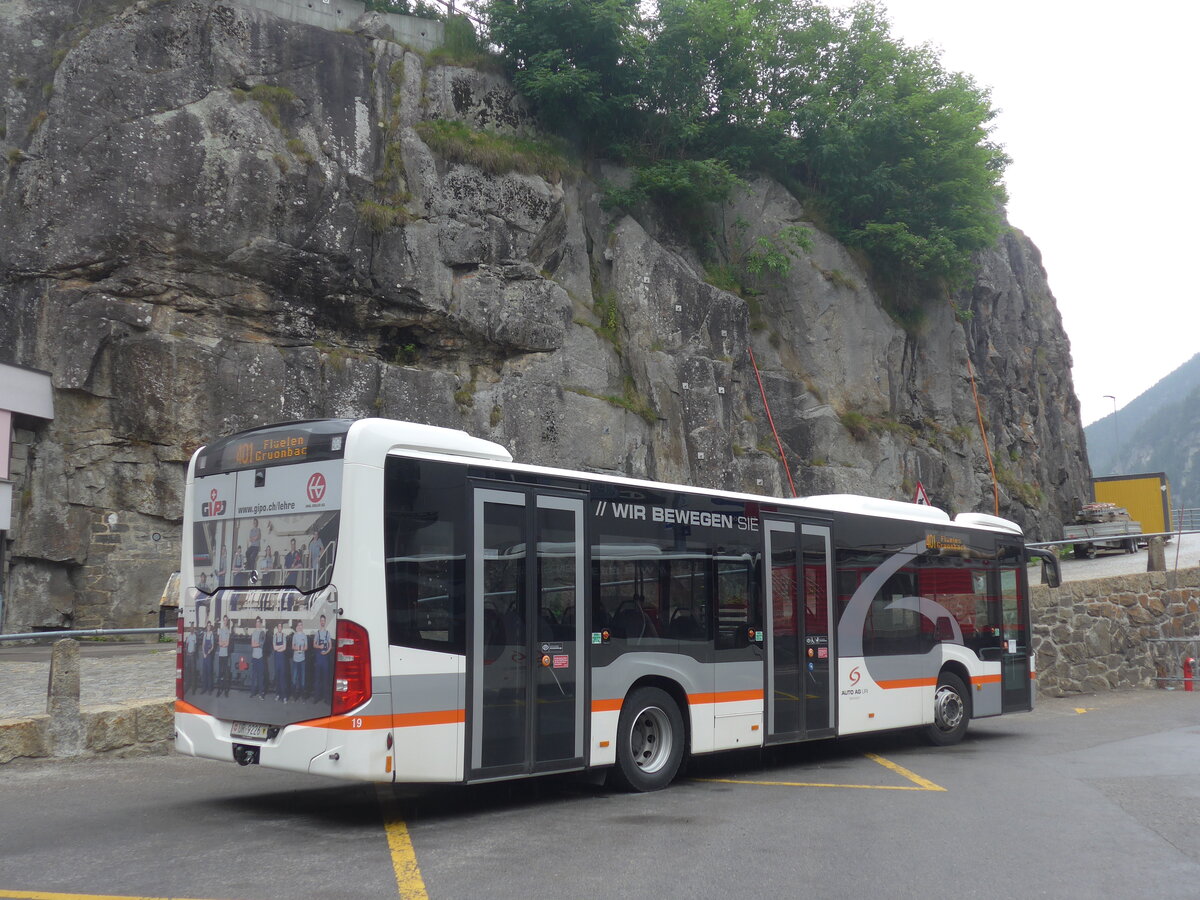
(213, 508)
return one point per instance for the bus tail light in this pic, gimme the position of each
(351, 668)
(179, 656)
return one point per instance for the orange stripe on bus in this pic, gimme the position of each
(440, 717)
(985, 679)
(400, 720)
(599, 706)
(906, 683)
(182, 706)
(724, 697)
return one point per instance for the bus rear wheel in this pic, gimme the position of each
(650, 741)
(951, 711)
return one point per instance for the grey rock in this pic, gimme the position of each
(189, 251)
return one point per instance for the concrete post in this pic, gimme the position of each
(1156, 556)
(62, 700)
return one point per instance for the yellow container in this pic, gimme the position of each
(1146, 497)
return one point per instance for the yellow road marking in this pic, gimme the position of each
(1084, 709)
(925, 783)
(918, 783)
(53, 895)
(404, 858)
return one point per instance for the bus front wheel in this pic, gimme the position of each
(650, 741)
(951, 711)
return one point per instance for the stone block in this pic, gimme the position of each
(24, 738)
(110, 727)
(155, 721)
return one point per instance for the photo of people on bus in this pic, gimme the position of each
(237, 660)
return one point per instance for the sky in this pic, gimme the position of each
(1098, 110)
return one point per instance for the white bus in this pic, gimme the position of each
(388, 601)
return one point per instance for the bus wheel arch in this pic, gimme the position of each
(652, 736)
(951, 707)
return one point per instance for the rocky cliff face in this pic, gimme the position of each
(215, 218)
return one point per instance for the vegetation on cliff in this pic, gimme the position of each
(889, 148)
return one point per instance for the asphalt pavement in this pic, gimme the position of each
(1090, 796)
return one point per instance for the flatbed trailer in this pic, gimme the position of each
(1088, 538)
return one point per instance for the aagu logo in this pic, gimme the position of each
(854, 676)
(316, 487)
(214, 507)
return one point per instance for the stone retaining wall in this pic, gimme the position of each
(121, 729)
(1107, 633)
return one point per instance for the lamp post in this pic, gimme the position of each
(1116, 431)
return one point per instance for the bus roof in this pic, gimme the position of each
(389, 435)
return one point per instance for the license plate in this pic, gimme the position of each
(248, 730)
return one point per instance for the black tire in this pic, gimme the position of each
(650, 741)
(951, 711)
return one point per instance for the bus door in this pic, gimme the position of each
(800, 674)
(1015, 658)
(526, 652)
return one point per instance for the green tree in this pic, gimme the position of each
(889, 146)
(581, 63)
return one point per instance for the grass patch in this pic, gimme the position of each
(381, 217)
(861, 426)
(299, 149)
(960, 434)
(631, 401)
(609, 314)
(1027, 492)
(496, 154)
(857, 424)
(836, 277)
(271, 98)
(36, 122)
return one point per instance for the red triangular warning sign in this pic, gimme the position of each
(921, 498)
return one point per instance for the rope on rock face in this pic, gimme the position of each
(983, 434)
(778, 443)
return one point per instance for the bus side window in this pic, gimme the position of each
(738, 602)
(425, 570)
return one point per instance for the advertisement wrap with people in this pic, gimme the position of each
(260, 612)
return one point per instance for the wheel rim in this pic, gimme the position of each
(948, 708)
(651, 739)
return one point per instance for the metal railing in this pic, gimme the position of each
(1170, 655)
(1185, 519)
(82, 632)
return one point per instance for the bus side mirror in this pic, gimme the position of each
(1051, 572)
